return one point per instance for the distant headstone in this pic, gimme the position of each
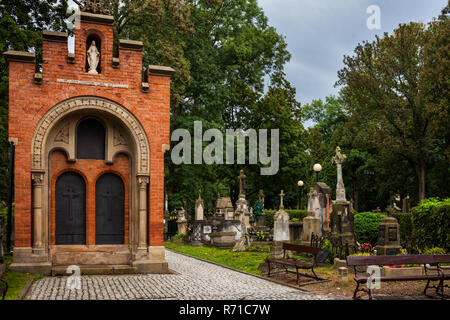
(281, 223)
(406, 204)
(199, 207)
(388, 242)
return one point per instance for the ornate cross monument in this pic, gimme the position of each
(339, 159)
(341, 215)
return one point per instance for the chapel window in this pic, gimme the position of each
(90, 142)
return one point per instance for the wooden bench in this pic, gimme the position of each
(3, 288)
(296, 263)
(431, 263)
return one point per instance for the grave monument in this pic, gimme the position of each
(341, 216)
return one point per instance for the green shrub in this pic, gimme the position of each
(435, 250)
(405, 221)
(431, 223)
(366, 226)
(298, 215)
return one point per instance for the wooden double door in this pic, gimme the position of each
(70, 209)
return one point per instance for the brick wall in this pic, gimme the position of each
(29, 101)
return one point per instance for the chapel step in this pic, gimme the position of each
(96, 270)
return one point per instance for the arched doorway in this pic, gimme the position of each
(109, 209)
(70, 209)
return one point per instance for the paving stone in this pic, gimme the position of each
(193, 280)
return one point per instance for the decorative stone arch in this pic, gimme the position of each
(52, 133)
(52, 117)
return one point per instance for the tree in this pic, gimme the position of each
(383, 79)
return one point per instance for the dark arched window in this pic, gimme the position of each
(90, 140)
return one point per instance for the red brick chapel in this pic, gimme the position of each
(90, 132)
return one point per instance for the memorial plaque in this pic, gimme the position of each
(392, 234)
(207, 229)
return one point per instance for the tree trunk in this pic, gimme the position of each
(421, 177)
(355, 193)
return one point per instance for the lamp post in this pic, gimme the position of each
(317, 168)
(300, 188)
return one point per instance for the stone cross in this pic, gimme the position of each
(281, 200)
(167, 203)
(338, 159)
(242, 184)
(93, 58)
(70, 194)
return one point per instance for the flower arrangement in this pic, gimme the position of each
(366, 247)
(173, 215)
(260, 235)
(397, 266)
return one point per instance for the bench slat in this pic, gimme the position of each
(395, 260)
(300, 248)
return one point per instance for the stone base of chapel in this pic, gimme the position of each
(91, 260)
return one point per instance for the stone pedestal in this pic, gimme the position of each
(182, 226)
(276, 251)
(388, 242)
(341, 222)
(343, 273)
(311, 224)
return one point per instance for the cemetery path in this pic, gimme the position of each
(193, 280)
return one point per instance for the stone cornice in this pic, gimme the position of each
(96, 18)
(160, 71)
(55, 36)
(20, 56)
(130, 45)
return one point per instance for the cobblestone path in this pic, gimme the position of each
(193, 280)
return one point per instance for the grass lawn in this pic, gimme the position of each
(247, 261)
(16, 281)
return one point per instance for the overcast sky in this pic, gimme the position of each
(320, 32)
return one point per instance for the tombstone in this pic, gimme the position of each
(199, 207)
(388, 242)
(318, 202)
(224, 208)
(406, 207)
(341, 215)
(281, 222)
(280, 230)
(311, 224)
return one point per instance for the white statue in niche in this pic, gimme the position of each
(93, 58)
